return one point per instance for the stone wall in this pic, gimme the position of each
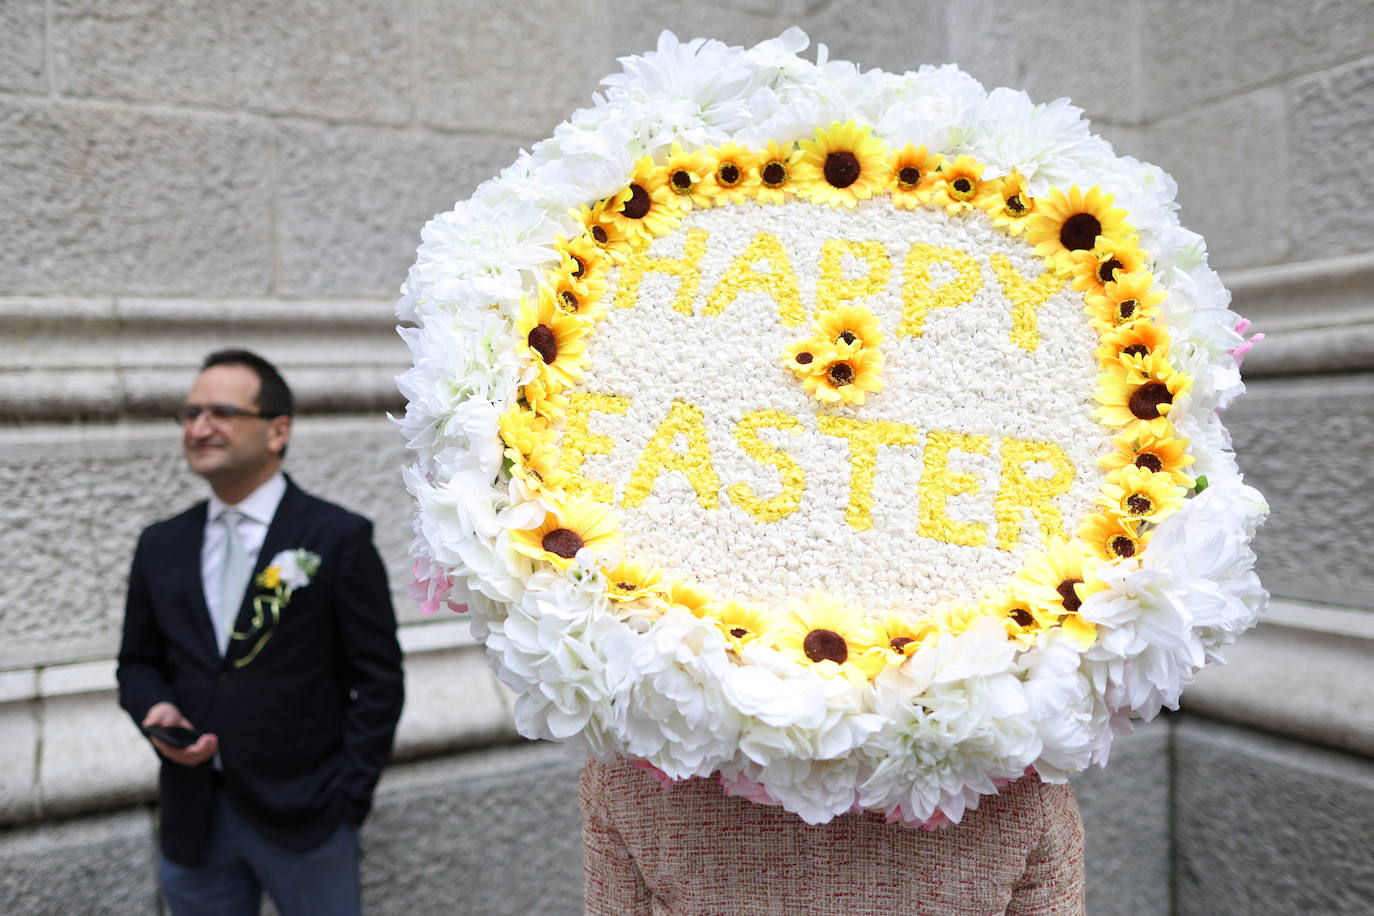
(178, 176)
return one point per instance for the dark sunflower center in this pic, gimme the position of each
(1126, 308)
(563, 542)
(600, 235)
(681, 181)
(1080, 232)
(541, 339)
(1106, 271)
(962, 187)
(804, 358)
(569, 301)
(1139, 504)
(899, 643)
(1016, 205)
(1123, 546)
(637, 207)
(848, 337)
(823, 645)
(1144, 403)
(727, 176)
(1022, 616)
(1137, 349)
(840, 374)
(581, 266)
(739, 632)
(841, 169)
(908, 177)
(1071, 600)
(1149, 461)
(774, 174)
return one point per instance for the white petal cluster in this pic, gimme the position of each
(928, 738)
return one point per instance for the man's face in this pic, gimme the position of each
(235, 448)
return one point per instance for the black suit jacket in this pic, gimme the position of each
(306, 726)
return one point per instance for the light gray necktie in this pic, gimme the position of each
(234, 571)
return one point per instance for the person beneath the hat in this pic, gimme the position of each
(261, 619)
(691, 848)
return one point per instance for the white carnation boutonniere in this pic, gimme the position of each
(288, 571)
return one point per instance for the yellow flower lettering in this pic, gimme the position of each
(938, 484)
(579, 441)
(659, 455)
(918, 299)
(1019, 491)
(833, 289)
(1026, 296)
(686, 268)
(864, 437)
(793, 476)
(780, 283)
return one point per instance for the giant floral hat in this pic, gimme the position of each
(850, 437)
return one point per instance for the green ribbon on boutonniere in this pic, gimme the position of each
(288, 571)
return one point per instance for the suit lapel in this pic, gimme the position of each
(190, 545)
(283, 534)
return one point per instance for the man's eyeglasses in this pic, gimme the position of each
(220, 413)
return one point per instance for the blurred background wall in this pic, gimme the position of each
(180, 175)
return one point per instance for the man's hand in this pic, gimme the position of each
(164, 714)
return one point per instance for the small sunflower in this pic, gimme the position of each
(523, 430)
(741, 624)
(845, 375)
(687, 174)
(540, 469)
(959, 184)
(912, 175)
(628, 581)
(600, 228)
(733, 170)
(844, 164)
(849, 324)
(1111, 537)
(1065, 223)
(579, 523)
(1112, 258)
(1056, 582)
(1022, 620)
(1139, 338)
(576, 300)
(1138, 393)
(1139, 495)
(801, 356)
(1160, 454)
(581, 259)
(556, 342)
(646, 208)
(1127, 298)
(957, 617)
(899, 636)
(776, 165)
(1007, 202)
(545, 397)
(832, 638)
(687, 595)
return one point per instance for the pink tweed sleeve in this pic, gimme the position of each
(690, 849)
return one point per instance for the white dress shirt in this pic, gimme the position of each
(257, 510)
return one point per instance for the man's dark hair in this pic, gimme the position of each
(274, 395)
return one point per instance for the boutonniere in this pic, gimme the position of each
(288, 571)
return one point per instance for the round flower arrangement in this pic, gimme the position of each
(852, 438)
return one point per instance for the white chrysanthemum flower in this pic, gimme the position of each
(1048, 143)
(1059, 703)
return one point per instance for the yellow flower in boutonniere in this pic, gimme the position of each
(1111, 537)
(741, 624)
(628, 581)
(912, 175)
(556, 342)
(289, 570)
(646, 208)
(844, 374)
(842, 165)
(1022, 620)
(686, 174)
(566, 530)
(958, 185)
(1161, 454)
(1056, 582)
(1139, 495)
(1065, 223)
(1137, 394)
(1139, 338)
(733, 169)
(269, 578)
(776, 166)
(1007, 202)
(849, 324)
(1126, 299)
(832, 639)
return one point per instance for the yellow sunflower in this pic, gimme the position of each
(775, 172)
(1022, 620)
(1008, 202)
(899, 636)
(647, 207)
(545, 397)
(1112, 257)
(912, 175)
(832, 638)
(1138, 393)
(958, 185)
(957, 617)
(1056, 582)
(599, 227)
(849, 324)
(581, 259)
(523, 430)
(1139, 495)
(687, 174)
(540, 469)
(1127, 298)
(1110, 537)
(577, 524)
(733, 170)
(628, 581)
(580, 299)
(844, 164)
(845, 375)
(1065, 223)
(1139, 338)
(687, 595)
(741, 624)
(555, 341)
(1160, 454)
(800, 356)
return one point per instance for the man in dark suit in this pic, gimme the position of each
(260, 619)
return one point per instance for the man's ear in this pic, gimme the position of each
(278, 434)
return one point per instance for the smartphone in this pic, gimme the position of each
(172, 735)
